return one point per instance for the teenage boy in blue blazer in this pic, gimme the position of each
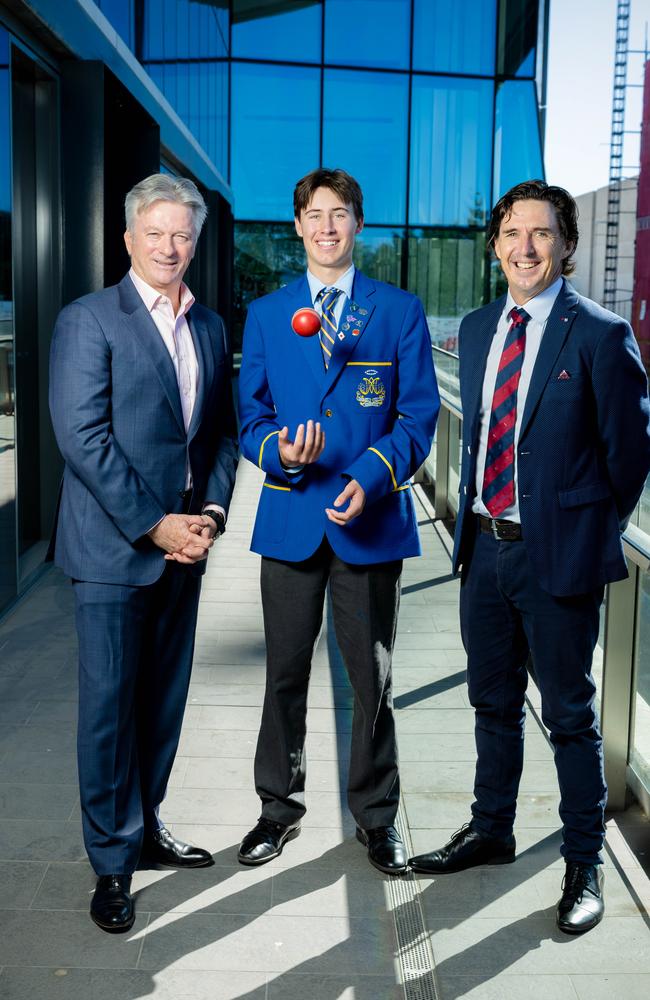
(339, 422)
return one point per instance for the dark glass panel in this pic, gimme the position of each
(378, 253)
(451, 151)
(379, 36)
(185, 29)
(277, 29)
(518, 26)
(454, 38)
(7, 390)
(517, 149)
(120, 14)
(267, 255)
(275, 118)
(446, 270)
(364, 131)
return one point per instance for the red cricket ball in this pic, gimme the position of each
(305, 322)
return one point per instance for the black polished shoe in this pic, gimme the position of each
(265, 841)
(163, 849)
(112, 906)
(466, 849)
(385, 849)
(582, 904)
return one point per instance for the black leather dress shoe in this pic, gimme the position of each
(466, 849)
(265, 841)
(163, 849)
(385, 849)
(582, 904)
(112, 906)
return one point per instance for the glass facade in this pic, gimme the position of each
(432, 106)
(7, 354)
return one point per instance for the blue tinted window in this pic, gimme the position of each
(199, 94)
(120, 14)
(368, 32)
(182, 29)
(454, 37)
(364, 132)
(283, 34)
(451, 151)
(518, 21)
(517, 150)
(275, 125)
(5, 139)
(378, 253)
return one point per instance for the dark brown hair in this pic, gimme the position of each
(342, 184)
(565, 207)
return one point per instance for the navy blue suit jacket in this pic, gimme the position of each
(377, 403)
(584, 447)
(118, 421)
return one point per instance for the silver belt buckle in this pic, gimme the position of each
(495, 529)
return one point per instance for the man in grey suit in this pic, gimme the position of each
(142, 409)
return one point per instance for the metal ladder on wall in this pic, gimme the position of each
(616, 153)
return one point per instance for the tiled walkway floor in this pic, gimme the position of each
(317, 923)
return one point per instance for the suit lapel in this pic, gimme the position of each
(205, 360)
(557, 328)
(142, 326)
(355, 320)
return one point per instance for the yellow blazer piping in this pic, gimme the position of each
(388, 466)
(259, 461)
(272, 486)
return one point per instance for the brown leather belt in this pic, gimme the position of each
(505, 531)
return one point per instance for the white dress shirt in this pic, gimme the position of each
(344, 283)
(539, 310)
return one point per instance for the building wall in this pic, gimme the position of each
(589, 277)
(80, 123)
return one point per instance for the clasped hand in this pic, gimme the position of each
(185, 538)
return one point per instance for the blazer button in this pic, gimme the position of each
(328, 413)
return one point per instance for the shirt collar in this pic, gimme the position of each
(345, 283)
(151, 297)
(539, 307)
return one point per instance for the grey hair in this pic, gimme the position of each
(165, 187)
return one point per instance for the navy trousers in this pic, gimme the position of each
(504, 615)
(135, 658)
(365, 601)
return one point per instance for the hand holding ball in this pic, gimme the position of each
(305, 322)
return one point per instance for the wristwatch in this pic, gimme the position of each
(218, 519)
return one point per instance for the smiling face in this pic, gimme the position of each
(328, 227)
(162, 245)
(531, 248)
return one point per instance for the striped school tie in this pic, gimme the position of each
(499, 478)
(328, 298)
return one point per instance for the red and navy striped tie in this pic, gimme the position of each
(499, 477)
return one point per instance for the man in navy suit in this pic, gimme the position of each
(339, 422)
(142, 410)
(556, 449)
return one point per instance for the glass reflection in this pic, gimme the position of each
(275, 125)
(7, 422)
(277, 29)
(454, 38)
(446, 270)
(380, 36)
(451, 151)
(267, 255)
(184, 29)
(640, 754)
(517, 148)
(518, 26)
(364, 131)
(378, 253)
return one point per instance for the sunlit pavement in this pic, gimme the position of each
(319, 922)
